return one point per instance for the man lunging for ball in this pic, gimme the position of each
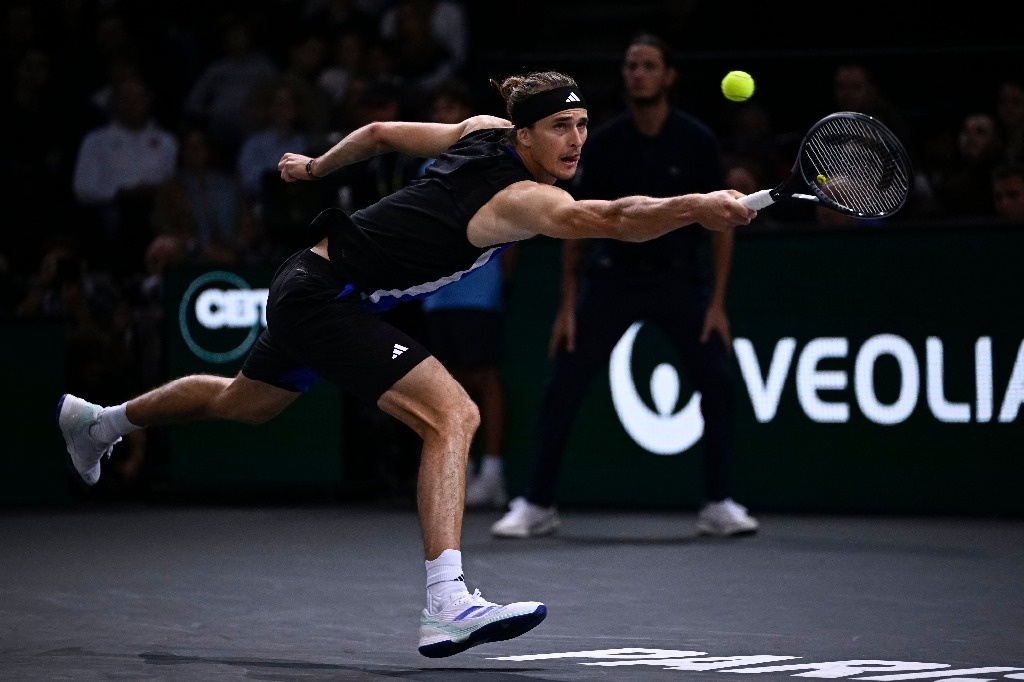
(491, 185)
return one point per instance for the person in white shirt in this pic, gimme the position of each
(118, 169)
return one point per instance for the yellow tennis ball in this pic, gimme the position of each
(821, 179)
(737, 86)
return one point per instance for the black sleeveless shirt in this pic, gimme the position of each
(413, 242)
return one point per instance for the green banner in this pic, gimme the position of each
(878, 371)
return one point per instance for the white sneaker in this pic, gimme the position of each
(725, 518)
(486, 491)
(525, 520)
(469, 620)
(75, 416)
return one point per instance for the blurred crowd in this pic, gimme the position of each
(153, 132)
(145, 136)
(142, 137)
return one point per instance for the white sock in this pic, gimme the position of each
(112, 424)
(491, 466)
(444, 579)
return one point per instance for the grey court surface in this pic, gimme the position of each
(334, 592)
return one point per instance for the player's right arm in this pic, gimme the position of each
(527, 208)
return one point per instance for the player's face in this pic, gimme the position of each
(645, 74)
(555, 142)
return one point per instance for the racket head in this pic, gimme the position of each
(855, 165)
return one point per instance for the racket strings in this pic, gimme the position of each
(856, 166)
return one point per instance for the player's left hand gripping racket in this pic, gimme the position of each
(848, 162)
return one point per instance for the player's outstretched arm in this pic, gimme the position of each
(527, 208)
(414, 138)
(641, 218)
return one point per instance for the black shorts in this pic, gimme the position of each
(317, 327)
(464, 338)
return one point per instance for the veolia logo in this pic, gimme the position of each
(824, 391)
(221, 317)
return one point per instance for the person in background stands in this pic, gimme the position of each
(118, 170)
(203, 207)
(854, 88)
(277, 210)
(430, 40)
(1008, 192)
(220, 96)
(964, 186)
(1010, 117)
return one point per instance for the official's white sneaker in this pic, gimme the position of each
(469, 620)
(75, 416)
(486, 491)
(725, 518)
(525, 520)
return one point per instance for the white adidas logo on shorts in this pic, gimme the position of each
(399, 349)
(573, 97)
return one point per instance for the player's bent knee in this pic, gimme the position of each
(432, 403)
(463, 421)
(459, 420)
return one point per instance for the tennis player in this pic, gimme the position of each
(492, 185)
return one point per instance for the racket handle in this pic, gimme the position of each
(758, 200)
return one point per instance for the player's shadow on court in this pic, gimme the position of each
(599, 540)
(306, 670)
(566, 539)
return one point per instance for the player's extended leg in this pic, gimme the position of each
(91, 431)
(437, 408)
(205, 396)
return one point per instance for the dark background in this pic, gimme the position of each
(934, 66)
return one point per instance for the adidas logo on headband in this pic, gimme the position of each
(545, 103)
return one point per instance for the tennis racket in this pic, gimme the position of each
(848, 162)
